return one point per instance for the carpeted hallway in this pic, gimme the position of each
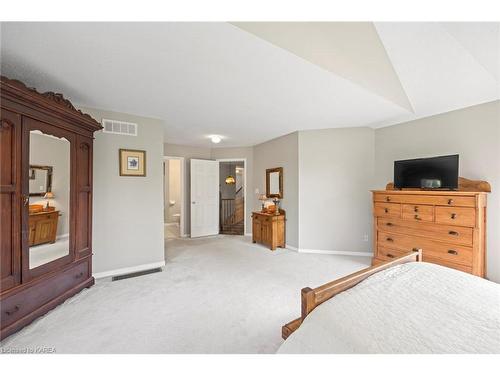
(216, 295)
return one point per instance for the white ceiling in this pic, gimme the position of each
(250, 82)
(352, 50)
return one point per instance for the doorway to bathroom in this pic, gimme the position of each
(173, 190)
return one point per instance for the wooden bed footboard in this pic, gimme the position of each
(314, 297)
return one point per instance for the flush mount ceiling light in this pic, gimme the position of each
(215, 138)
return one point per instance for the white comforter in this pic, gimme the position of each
(411, 308)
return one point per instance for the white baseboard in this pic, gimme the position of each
(330, 252)
(123, 271)
(62, 236)
(336, 252)
(248, 234)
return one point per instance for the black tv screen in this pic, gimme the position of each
(432, 173)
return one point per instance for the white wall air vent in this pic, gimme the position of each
(119, 127)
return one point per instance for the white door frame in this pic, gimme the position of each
(182, 230)
(244, 160)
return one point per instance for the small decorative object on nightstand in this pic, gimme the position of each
(276, 202)
(48, 195)
(263, 199)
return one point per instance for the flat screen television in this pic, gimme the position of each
(439, 172)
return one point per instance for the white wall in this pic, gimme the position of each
(127, 211)
(54, 152)
(280, 152)
(336, 168)
(474, 134)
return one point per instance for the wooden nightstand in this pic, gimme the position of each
(43, 227)
(269, 229)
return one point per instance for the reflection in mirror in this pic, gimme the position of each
(49, 198)
(40, 180)
(274, 183)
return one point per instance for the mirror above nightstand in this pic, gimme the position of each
(274, 183)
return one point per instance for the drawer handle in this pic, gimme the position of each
(415, 209)
(386, 210)
(390, 255)
(417, 217)
(453, 216)
(389, 239)
(79, 276)
(453, 233)
(389, 224)
(388, 199)
(453, 252)
(13, 311)
(450, 201)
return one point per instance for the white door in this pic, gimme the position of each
(204, 197)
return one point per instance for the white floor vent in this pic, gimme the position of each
(119, 127)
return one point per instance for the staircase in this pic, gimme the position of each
(236, 229)
(232, 215)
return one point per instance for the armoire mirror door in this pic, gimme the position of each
(47, 176)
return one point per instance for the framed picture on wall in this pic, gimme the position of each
(132, 163)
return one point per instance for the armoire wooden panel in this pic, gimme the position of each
(28, 293)
(10, 203)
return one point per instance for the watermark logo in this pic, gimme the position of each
(28, 350)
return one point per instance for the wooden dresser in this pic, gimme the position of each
(269, 229)
(449, 227)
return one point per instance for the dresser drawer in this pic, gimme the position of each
(460, 267)
(415, 212)
(387, 210)
(262, 218)
(388, 254)
(388, 198)
(460, 216)
(446, 233)
(25, 302)
(435, 249)
(457, 266)
(437, 200)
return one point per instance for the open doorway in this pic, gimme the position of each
(232, 196)
(173, 189)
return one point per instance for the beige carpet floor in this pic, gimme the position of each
(215, 295)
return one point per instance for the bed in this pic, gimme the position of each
(401, 306)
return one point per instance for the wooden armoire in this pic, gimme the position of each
(28, 292)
